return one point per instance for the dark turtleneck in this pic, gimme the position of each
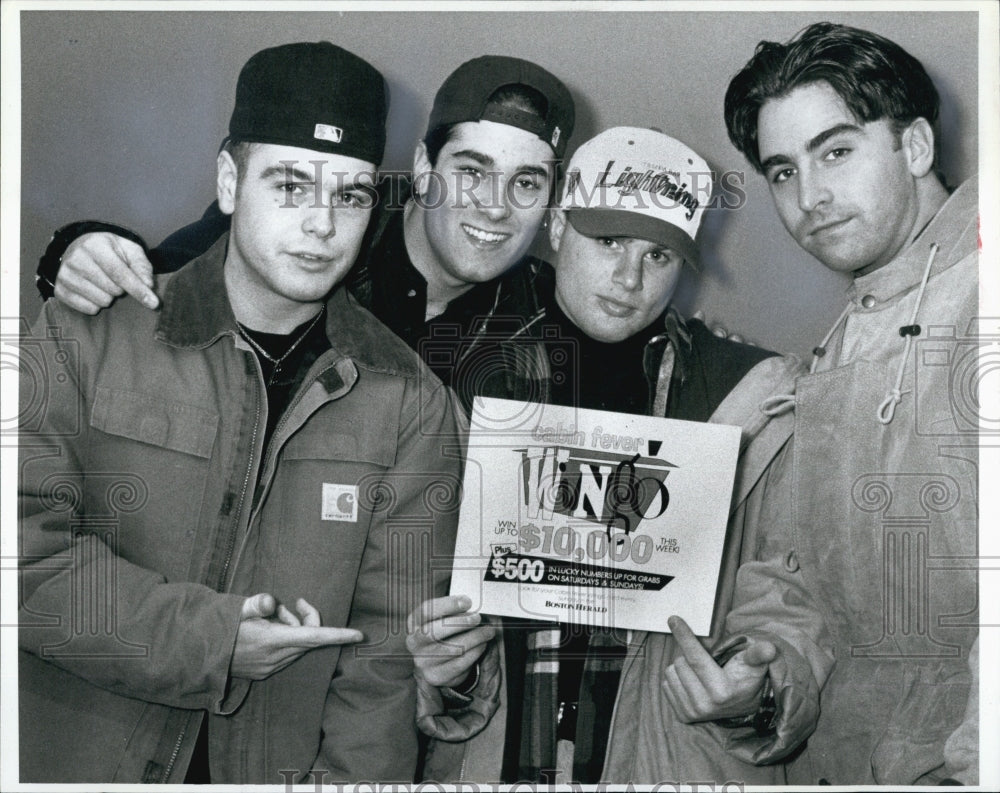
(608, 376)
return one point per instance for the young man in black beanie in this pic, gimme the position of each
(215, 497)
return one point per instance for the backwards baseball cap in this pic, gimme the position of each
(314, 95)
(641, 183)
(465, 96)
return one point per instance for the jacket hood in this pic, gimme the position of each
(955, 230)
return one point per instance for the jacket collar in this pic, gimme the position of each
(954, 229)
(196, 312)
(356, 334)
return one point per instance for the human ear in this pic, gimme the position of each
(226, 180)
(918, 143)
(557, 225)
(421, 166)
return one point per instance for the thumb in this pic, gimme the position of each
(259, 605)
(760, 653)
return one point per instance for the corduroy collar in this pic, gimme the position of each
(196, 313)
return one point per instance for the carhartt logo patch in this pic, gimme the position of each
(328, 132)
(340, 502)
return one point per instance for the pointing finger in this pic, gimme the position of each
(322, 637)
(690, 644)
(122, 272)
(143, 270)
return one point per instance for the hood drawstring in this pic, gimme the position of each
(820, 351)
(887, 409)
(780, 403)
(777, 404)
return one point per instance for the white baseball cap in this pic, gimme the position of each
(641, 183)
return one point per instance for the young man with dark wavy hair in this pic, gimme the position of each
(873, 504)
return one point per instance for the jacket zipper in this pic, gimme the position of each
(482, 325)
(269, 453)
(246, 482)
(229, 550)
(174, 753)
(277, 431)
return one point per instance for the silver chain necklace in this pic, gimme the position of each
(276, 362)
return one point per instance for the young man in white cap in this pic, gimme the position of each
(203, 490)
(623, 232)
(445, 263)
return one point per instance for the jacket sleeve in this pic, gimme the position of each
(175, 251)
(191, 241)
(445, 715)
(772, 602)
(369, 720)
(464, 716)
(82, 607)
(961, 749)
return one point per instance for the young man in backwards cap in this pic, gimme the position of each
(217, 497)
(624, 231)
(445, 265)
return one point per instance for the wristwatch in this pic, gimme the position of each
(461, 695)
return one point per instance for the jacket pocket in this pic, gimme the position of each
(332, 478)
(156, 421)
(325, 486)
(321, 444)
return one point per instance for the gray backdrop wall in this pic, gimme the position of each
(123, 111)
